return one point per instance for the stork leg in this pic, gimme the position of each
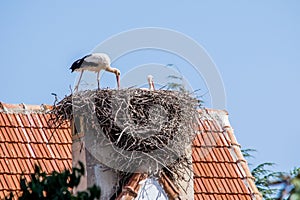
(98, 79)
(76, 87)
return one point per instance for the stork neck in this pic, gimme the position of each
(110, 69)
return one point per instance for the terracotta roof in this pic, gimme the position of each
(171, 190)
(27, 138)
(220, 170)
(130, 190)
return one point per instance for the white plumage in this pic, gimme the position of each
(95, 62)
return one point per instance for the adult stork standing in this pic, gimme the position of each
(150, 82)
(94, 62)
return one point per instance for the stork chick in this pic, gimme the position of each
(151, 83)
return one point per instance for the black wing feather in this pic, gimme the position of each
(77, 64)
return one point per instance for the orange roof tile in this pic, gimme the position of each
(171, 190)
(130, 190)
(220, 170)
(25, 140)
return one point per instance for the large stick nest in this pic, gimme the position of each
(132, 126)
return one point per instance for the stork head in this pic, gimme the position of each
(116, 72)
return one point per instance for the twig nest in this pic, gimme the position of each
(133, 125)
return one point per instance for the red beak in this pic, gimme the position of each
(118, 81)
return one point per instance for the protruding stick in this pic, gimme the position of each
(77, 85)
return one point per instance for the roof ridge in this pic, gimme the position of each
(212, 110)
(24, 108)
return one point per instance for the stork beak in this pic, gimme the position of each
(118, 81)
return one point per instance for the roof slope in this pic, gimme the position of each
(220, 170)
(27, 138)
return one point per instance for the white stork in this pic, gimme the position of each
(150, 82)
(94, 62)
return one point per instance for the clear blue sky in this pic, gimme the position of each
(254, 44)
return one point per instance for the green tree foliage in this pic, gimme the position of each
(176, 83)
(56, 186)
(275, 185)
(295, 192)
(289, 184)
(262, 176)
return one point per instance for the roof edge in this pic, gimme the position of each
(248, 178)
(221, 116)
(213, 111)
(24, 108)
(19, 108)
